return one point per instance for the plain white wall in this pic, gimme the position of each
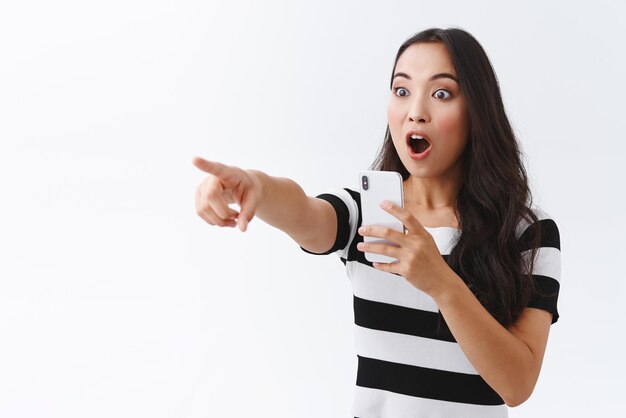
(116, 299)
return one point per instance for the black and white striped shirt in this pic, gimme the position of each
(405, 367)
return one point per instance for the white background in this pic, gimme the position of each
(116, 299)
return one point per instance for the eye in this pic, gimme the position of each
(396, 89)
(442, 94)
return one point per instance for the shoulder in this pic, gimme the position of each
(347, 205)
(525, 221)
(546, 265)
(545, 225)
(354, 194)
(342, 192)
(343, 197)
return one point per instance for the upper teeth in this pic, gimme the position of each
(417, 137)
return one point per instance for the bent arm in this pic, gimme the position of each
(309, 221)
(508, 359)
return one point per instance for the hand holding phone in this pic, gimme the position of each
(377, 186)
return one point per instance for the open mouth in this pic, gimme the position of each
(418, 143)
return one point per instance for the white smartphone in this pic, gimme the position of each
(377, 186)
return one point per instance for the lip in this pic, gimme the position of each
(422, 134)
(412, 154)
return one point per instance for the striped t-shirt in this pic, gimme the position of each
(406, 368)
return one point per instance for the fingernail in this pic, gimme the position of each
(361, 230)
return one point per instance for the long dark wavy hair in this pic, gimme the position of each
(494, 195)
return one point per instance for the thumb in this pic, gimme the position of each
(248, 205)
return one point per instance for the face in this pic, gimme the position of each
(425, 99)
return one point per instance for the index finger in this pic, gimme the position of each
(410, 222)
(380, 231)
(211, 167)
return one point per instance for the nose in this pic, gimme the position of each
(418, 112)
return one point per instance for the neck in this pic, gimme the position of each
(433, 193)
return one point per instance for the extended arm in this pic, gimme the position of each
(311, 222)
(280, 202)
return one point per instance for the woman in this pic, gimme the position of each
(458, 326)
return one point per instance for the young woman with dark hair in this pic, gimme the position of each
(458, 326)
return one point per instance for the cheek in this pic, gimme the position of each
(393, 114)
(394, 118)
(454, 122)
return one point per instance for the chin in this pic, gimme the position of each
(420, 173)
(414, 169)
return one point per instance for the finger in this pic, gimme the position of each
(383, 232)
(219, 206)
(200, 208)
(215, 220)
(231, 223)
(208, 214)
(211, 167)
(388, 267)
(409, 221)
(380, 248)
(201, 213)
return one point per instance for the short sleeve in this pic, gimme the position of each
(546, 271)
(347, 211)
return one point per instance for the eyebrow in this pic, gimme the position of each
(432, 78)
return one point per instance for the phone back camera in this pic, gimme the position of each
(364, 182)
